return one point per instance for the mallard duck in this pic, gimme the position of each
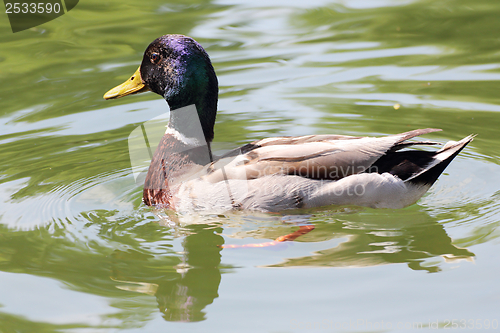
(271, 174)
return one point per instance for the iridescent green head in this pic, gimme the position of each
(179, 69)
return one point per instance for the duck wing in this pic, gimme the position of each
(327, 157)
(285, 140)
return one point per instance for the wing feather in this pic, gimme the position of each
(329, 157)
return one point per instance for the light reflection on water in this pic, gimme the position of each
(72, 222)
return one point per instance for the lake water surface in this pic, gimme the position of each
(79, 252)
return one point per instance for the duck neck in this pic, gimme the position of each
(187, 126)
(200, 91)
(192, 122)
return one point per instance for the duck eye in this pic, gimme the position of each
(155, 57)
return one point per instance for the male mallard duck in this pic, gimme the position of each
(272, 174)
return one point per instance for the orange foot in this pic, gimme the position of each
(290, 237)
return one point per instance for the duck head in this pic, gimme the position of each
(177, 68)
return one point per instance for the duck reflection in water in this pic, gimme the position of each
(184, 286)
(182, 289)
(363, 240)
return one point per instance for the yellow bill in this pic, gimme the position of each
(134, 85)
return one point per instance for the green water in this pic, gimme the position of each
(79, 252)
